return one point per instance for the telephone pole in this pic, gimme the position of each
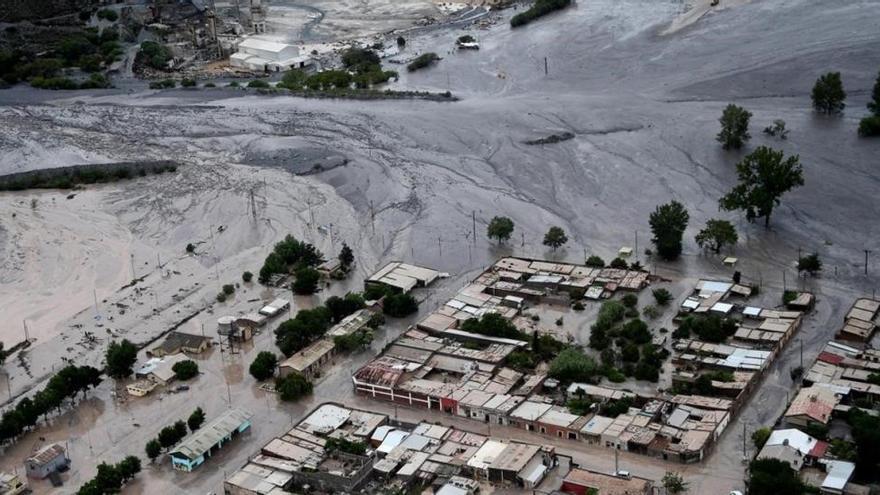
(867, 252)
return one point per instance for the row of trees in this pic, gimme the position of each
(289, 253)
(501, 228)
(111, 477)
(170, 435)
(67, 383)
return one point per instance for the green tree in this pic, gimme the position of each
(595, 262)
(716, 234)
(399, 305)
(572, 365)
(674, 483)
(129, 467)
(828, 94)
(153, 449)
(662, 296)
(668, 223)
(292, 387)
(500, 229)
(246, 277)
(346, 258)
(764, 176)
(340, 307)
(2, 354)
(773, 477)
(306, 281)
(401, 41)
(874, 103)
(120, 358)
(810, 264)
(555, 238)
(734, 127)
(492, 324)
(196, 419)
(185, 370)
(760, 437)
(264, 365)
(869, 126)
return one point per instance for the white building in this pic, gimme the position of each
(269, 56)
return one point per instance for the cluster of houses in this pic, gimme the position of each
(391, 454)
(436, 365)
(840, 378)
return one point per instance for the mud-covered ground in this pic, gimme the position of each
(643, 108)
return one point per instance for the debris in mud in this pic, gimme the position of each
(551, 139)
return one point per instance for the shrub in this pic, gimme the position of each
(190, 248)
(651, 311)
(618, 263)
(662, 296)
(246, 277)
(870, 126)
(347, 446)
(828, 94)
(187, 82)
(595, 262)
(163, 84)
(578, 306)
(154, 55)
(422, 61)
(184, 370)
(221, 297)
(760, 437)
(228, 289)
(630, 300)
(258, 83)
(108, 15)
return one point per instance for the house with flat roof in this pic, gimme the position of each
(584, 482)
(198, 447)
(402, 277)
(258, 54)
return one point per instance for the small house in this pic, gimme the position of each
(46, 461)
(195, 449)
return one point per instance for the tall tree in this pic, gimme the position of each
(828, 94)
(764, 176)
(346, 257)
(734, 127)
(810, 264)
(196, 419)
(2, 354)
(716, 234)
(668, 223)
(120, 358)
(264, 365)
(153, 449)
(500, 229)
(555, 237)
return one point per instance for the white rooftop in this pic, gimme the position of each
(325, 419)
(795, 438)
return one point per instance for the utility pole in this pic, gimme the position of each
(744, 439)
(132, 266)
(784, 287)
(440, 247)
(867, 252)
(372, 217)
(802, 352)
(546, 68)
(616, 453)
(637, 245)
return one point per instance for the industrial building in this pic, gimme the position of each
(402, 277)
(263, 55)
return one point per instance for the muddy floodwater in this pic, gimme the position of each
(409, 179)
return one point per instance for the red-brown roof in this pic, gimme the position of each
(829, 358)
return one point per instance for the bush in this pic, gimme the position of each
(630, 300)
(228, 289)
(190, 248)
(108, 15)
(258, 83)
(246, 277)
(539, 9)
(662, 296)
(636, 331)
(163, 84)
(652, 312)
(760, 437)
(619, 263)
(520, 360)
(615, 408)
(578, 306)
(347, 446)
(422, 61)
(870, 126)
(595, 262)
(264, 366)
(184, 370)
(154, 55)
(221, 297)
(187, 82)
(709, 328)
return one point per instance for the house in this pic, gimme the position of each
(257, 480)
(330, 268)
(269, 56)
(812, 405)
(177, 342)
(11, 484)
(195, 449)
(310, 360)
(402, 277)
(584, 482)
(239, 328)
(793, 447)
(521, 464)
(160, 370)
(46, 461)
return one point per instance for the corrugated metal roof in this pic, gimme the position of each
(207, 436)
